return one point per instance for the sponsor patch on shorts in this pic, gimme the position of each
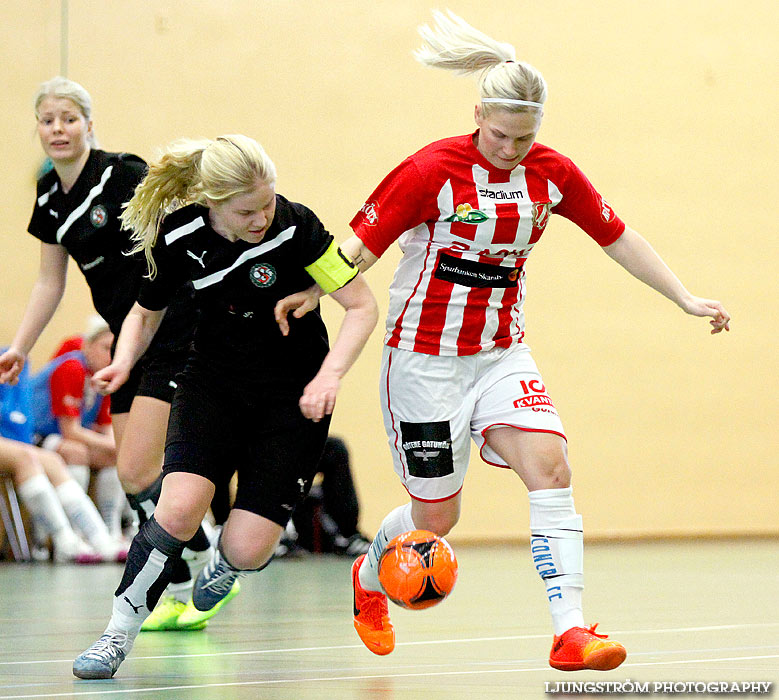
(428, 448)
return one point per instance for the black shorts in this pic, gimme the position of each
(153, 375)
(216, 432)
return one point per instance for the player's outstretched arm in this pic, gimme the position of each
(137, 332)
(301, 303)
(44, 299)
(358, 253)
(636, 255)
(359, 321)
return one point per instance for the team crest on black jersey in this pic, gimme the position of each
(262, 275)
(98, 216)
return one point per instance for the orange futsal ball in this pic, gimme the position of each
(417, 569)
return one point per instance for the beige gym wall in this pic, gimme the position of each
(670, 107)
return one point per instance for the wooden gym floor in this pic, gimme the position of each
(687, 611)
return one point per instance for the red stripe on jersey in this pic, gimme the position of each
(502, 335)
(394, 340)
(433, 314)
(507, 213)
(463, 230)
(469, 340)
(507, 223)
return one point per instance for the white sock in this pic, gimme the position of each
(396, 523)
(67, 541)
(180, 591)
(557, 547)
(84, 516)
(126, 618)
(195, 560)
(41, 501)
(81, 473)
(110, 498)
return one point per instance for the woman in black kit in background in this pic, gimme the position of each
(76, 215)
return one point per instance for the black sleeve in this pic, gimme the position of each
(156, 293)
(316, 239)
(42, 225)
(133, 170)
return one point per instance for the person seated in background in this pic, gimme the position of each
(73, 420)
(57, 504)
(107, 484)
(327, 519)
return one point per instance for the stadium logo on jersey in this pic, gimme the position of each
(541, 214)
(370, 210)
(98, 216)
(466, 214)
(262, 275)
(506, 195)
(606, 212)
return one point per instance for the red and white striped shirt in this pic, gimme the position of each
(466, 228)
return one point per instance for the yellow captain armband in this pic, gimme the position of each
(332, 270)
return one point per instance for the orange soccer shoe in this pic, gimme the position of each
(579, 648)
(371, 616)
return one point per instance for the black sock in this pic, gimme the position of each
(148, 579)
(144, 502)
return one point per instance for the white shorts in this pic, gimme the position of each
(432, 405)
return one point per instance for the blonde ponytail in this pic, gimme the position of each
(453, 44)
(168, 184)
(193, 171)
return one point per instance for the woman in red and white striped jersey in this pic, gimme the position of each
(467, 211)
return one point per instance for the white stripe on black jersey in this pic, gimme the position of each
(237, 285)
(85, 221)
(259, 250)
(184, 230)
(45, 197)
(81, 208)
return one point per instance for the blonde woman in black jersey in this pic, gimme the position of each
(76, 215)
(250, 399)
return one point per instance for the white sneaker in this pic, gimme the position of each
(72, 549)
(39, 551)
(112, 549)
(103, 658)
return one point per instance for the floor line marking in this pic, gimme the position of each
(463, 640)
(280, 681)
